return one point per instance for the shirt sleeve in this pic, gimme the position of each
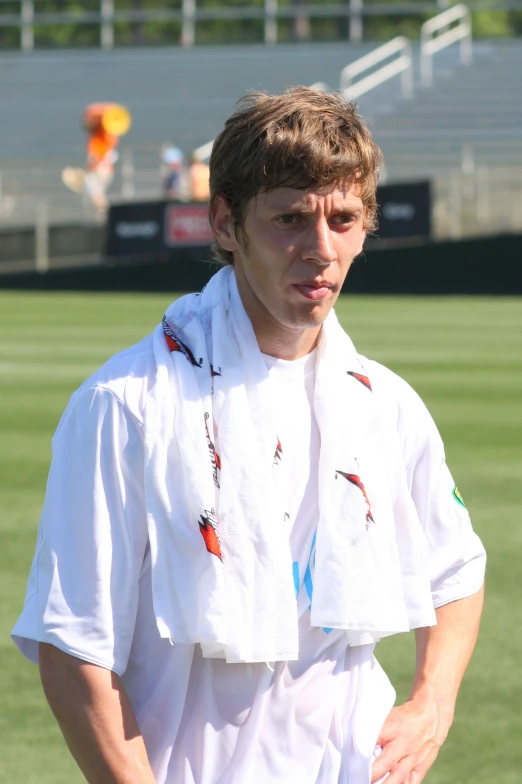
(82, 594)
(456, 556)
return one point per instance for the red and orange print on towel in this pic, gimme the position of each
(209, 532)
(356, 480)
(175, 344)
(365, 381)
(214, 457)
(278, 454)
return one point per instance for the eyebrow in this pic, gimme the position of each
(303, 209)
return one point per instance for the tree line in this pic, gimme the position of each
(301, 28)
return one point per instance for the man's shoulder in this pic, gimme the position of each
(402, 407)
(127, 376)
(388, 384)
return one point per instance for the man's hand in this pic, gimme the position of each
(410, 739)
(414, 732)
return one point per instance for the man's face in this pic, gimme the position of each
(293, 254)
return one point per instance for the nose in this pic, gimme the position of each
(319, 246)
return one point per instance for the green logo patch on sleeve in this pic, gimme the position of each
(457, 496)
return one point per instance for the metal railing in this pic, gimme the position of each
(480, 203)
(107, 16)
(436, 34)
(485, 201)
(400, 49)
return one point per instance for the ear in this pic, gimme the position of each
(363, 239)
(222, 224)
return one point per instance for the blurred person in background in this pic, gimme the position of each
(99, 171)
(199, 179)
(171, 171)
(105, 123)
(240, 506)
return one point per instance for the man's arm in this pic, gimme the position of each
(414, 732)
(96, 719)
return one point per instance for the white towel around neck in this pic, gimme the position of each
(221, 561)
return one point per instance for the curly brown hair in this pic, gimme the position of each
(301, 139)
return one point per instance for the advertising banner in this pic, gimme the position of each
(404, 210)
(135, 229)
(154, 228)
(157, 228)
(187, 224)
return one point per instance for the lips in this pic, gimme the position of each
(314, 290)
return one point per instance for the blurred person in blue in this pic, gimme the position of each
(171, 171)
(241, 506)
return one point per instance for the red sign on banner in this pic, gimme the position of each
(187, 224)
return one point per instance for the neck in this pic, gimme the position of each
(273, 338)
(288, 346)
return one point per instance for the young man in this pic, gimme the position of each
(240, 506)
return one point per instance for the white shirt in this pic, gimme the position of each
(315, 721)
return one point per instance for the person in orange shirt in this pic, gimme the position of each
(101, 155)
(199, 179)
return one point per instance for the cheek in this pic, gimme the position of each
(260, 269)
(351, 245)
(268, 261)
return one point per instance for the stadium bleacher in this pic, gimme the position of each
(468, 123)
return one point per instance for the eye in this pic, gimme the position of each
(344, 219)
(287, 220)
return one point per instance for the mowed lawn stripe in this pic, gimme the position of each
(463, 355)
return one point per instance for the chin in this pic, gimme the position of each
(309, 318)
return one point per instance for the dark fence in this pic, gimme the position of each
(72, 239)
(154, 230)
(492, 265)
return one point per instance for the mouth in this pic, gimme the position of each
(314, 289)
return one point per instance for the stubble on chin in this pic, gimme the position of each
(307, 318)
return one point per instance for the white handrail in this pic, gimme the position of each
(400, 65)
(203, 153)
(431, 43)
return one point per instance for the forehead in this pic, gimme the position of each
(337, 195)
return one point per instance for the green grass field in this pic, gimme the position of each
(464, 356)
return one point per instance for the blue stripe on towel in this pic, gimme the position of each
(295, 571)
(308, 582)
